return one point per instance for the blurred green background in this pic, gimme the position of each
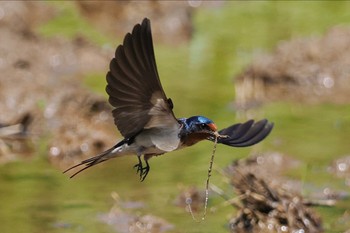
(198, 76)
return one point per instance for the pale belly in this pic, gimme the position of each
(134, 149)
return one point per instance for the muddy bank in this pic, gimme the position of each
(42, 78)
(311, 70)
(171, 21)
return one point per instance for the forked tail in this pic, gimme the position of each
(104, 156)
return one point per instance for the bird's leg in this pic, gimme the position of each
(141, 169)
(138, 166)
(145, 171)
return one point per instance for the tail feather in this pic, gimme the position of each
(246, 134)
(94, 160)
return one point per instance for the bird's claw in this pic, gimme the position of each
(138, 167)
(143, 171)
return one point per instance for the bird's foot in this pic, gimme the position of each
(143, 171)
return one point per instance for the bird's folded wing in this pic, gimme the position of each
(134, 88)
(245, 134)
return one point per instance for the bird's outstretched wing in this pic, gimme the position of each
(245, 134)
(134, 88)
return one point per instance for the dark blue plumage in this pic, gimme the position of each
(193, 123)
(143, 114)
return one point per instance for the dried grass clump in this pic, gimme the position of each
(266, 209)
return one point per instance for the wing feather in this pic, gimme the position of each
(134, 87)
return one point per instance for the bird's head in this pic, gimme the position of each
(199, 124)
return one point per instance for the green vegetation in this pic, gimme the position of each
(70, 24)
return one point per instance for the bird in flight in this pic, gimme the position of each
(143, 113)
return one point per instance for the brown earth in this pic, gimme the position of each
(41, 77)
(171, 21)
(310, 70)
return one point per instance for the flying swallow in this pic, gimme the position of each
(143, 113)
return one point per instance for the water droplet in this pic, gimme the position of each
(55, 151)
(342, 167)
(328, 82)
(84, 147)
